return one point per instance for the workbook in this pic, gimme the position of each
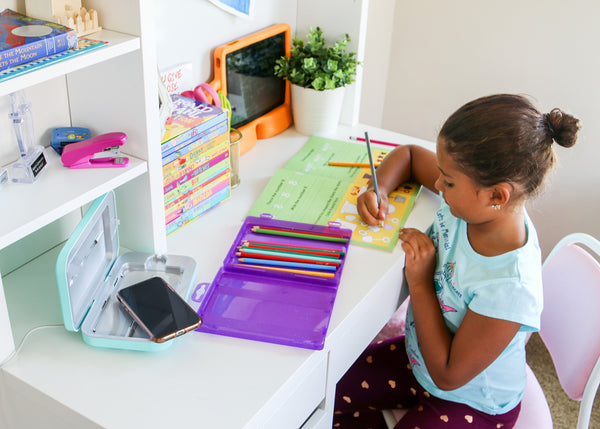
(307, 189)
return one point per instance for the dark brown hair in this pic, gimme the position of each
(505, 138)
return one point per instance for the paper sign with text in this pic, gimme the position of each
(178, 78)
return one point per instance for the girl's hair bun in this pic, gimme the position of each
(562, 127)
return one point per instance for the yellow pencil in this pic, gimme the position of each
(353, 164)
(290, 270)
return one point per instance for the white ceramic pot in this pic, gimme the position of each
(317, 112)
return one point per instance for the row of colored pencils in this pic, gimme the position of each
(315, 261)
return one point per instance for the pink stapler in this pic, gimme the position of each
(97, 152)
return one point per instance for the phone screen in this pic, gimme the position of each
(158, 309)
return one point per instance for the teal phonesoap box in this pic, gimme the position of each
(90, 272)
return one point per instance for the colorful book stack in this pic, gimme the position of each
(195, 160)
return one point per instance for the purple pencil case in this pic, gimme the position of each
(274, 305)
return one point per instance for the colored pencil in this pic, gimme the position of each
(360, 139)
(296, 231)
(287, 264)
(290, 270)
(292, 246)
(290, 253)
(291, 250)
(243, 254)
(352, 164)
(374, 176)
(299, 234)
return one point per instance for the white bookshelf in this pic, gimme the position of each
(113, 88)
(118, 44)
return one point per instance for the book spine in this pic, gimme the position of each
(192, 150)
(197, 197)
(196, 181)
(209, 132)
(194, 212)
(35, 50)
(194, 155)
(177, 178)
(176, 203)
(169, 145)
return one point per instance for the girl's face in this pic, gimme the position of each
(466, 199)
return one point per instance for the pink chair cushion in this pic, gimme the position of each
(534, 408)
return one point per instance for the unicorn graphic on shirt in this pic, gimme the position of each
(447, 274)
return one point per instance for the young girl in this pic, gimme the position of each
(474, 277)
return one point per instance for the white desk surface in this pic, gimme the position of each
(207, 380)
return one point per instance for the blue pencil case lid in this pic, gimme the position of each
(90, 272)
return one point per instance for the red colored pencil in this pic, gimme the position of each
(361, 139)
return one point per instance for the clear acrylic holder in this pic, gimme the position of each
(29, 167)
(33, 161)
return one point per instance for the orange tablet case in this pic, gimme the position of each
(272, 122)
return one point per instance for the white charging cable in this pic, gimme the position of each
(18, 349)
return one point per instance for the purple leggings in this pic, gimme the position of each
(381, 378)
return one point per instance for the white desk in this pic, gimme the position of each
(204, 380)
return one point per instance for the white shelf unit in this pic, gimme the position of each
(113, 88)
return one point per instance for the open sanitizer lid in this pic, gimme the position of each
(85, 260)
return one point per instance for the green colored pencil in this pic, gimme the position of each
(299, 234)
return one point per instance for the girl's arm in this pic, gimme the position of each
(451, 361)
(403, 164)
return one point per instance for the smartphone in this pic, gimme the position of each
(158, 309)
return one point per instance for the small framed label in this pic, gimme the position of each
(38, 165)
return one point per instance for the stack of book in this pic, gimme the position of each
(195, 160)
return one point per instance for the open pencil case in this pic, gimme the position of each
(89, 275)
(277, 304)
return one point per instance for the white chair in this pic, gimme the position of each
(570, 330)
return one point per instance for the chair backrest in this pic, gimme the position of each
(570, 326)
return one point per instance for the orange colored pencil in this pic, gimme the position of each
(290, 270)
(353, 164)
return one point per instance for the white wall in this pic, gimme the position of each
(444, 54)
(189, 30)
(376, 68)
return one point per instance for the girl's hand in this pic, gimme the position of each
(419, 262)
(366, 205)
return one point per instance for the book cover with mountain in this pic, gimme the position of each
(24, 39)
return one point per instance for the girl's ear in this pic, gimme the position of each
(501, 193)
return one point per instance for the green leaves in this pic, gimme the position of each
(315, 65)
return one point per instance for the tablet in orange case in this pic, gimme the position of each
(243, 70)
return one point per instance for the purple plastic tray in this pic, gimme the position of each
(273, 306)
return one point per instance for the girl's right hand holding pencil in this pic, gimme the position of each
(366, 204)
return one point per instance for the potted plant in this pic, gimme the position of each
(318, 74)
